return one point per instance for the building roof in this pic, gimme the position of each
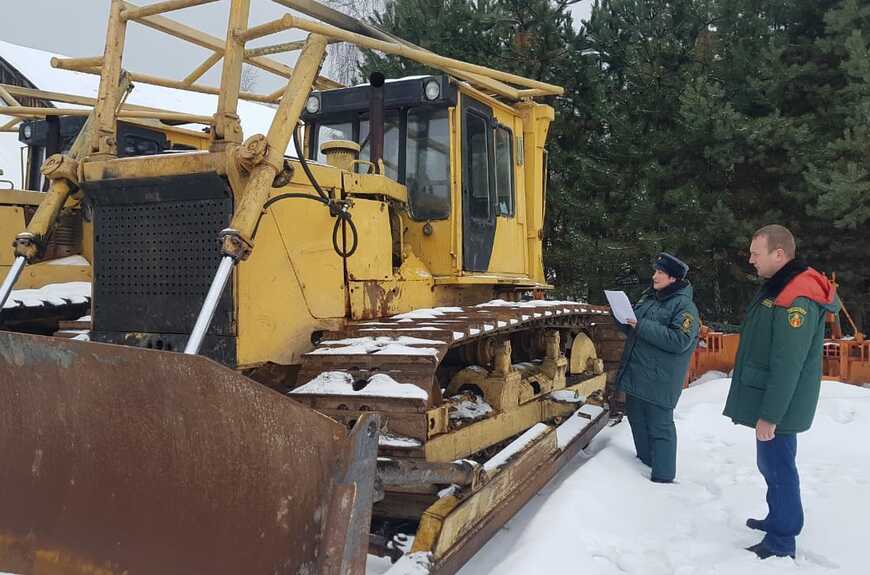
(34, 66)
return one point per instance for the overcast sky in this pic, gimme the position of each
(77, 28)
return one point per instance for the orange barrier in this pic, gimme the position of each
(846, 360)
(716, 351)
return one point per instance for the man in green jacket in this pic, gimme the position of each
(654, 364)
(777, 376)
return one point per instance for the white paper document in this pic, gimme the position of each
(620, 305)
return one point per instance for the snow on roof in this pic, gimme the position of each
(53, 294)
(391, 80)
(341, 383)
(36, 66)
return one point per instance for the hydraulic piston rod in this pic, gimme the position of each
(212, 299)
(238, 238)
(10, 280)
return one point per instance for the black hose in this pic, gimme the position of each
(304, 162)
(342, 219)
(294, 195)
(338, 210)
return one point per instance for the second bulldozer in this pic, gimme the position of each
(379, 360)
(56, 282)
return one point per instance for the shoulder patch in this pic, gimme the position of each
(796, 316)
(767, 302)
(688, 321)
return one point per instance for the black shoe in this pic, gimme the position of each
(757, 524)
(761, 550)
(657, 480)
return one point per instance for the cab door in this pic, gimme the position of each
(478, 186)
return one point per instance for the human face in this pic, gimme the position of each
(766, 262)
(661, 280)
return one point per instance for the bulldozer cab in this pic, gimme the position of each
(56, 134)
(459, 152)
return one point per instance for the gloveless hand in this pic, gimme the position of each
(764, 431)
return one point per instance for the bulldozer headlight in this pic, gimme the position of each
(432, 89)
(312, 106)
(27, 131)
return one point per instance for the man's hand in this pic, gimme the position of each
(764, 431)
(631, 322)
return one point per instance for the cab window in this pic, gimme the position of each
(477, 160)
(391, 145)
(428, 163)
(504, 174)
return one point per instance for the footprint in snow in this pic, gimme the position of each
(843, 413)
(816, 559)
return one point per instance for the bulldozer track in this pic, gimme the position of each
(401, 366)
(43, 317)
(413, 345)
(418, 348)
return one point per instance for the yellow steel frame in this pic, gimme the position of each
(293, 283)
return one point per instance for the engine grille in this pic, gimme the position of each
(156, 251)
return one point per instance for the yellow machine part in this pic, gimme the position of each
(13, 207)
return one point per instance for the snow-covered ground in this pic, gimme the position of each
(601, 515)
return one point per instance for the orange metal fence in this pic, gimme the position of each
(846, 360)
(716, 351)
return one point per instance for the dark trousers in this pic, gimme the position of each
(655, 436)
(785, 516)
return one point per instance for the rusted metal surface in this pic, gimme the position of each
(124, 460)
(415, 472)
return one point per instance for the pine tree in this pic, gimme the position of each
(685, 126)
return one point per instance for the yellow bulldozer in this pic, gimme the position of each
(296, 359)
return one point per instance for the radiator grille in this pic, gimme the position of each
(156, 251)
(165, 249)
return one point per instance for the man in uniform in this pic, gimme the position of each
(777, 376)
(654, 364)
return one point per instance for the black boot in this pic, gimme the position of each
(763, 552)
(757, 524)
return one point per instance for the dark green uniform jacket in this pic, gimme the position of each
(658, 350)
(779, 361)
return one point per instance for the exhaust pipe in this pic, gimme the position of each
(376, 118)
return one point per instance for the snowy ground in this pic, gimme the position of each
(601, 515)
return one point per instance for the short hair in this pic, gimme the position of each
(778, 237)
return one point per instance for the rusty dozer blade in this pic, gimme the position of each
(125, 460)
